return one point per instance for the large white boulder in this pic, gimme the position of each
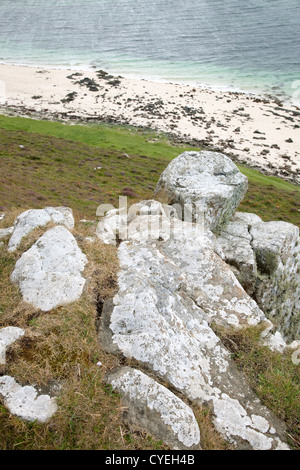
(155, 409)
(33, 218)
(49, 273)
(204, 182)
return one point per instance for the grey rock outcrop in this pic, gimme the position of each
(204, 275)
(206, 183)
(153, 408)
(155, 320)
(33, 218)
(49, 273)
(177, 279)
(265, 257)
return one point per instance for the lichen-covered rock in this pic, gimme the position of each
(61, 215)
(277, 250)
(49, 273)
(235, 242)
(141, 222)
(8, 335)
(33, 218)
(153, 408)
(25, 402)
(265, 257)
(154, 320)
(5, 232)
(206, 182)
(109, 228)
(275, 341)
(211, 284)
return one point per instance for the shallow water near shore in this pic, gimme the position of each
(243, 46)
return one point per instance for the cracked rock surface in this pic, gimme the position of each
(265, 257)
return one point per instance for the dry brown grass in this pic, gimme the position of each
(210, 438)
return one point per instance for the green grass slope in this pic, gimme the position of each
(44, 162)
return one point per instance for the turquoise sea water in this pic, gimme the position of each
(249, 45)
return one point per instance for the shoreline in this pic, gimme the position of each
(282, 97)
(259, 132)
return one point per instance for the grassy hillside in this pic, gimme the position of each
(46, 163)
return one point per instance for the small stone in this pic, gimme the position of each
(5, 232)
(8, 335)
(24, 402)
(29, 220)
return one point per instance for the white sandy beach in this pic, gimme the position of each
(257, 131)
